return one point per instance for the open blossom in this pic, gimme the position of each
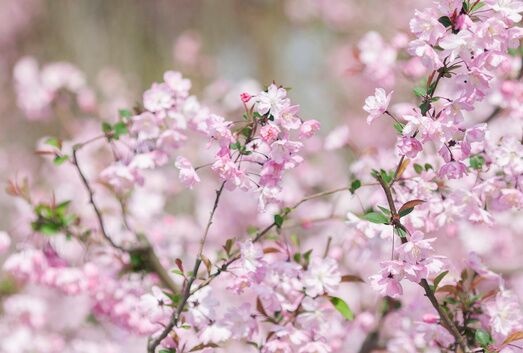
(272, 102)
(155, 305)
(505, 313)
(387, 282)
(377, 104)
(453, 170)
(321, 276)
(416, 249)
(120, 177)
(409, 146)
(188, 175)
(309, 128)
(269, 133)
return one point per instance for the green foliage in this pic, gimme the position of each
(53, 219)
(355, 185)
(418, 168)
(342, 307)
(376, 217)
(278, 220)
(445, 21)
(483, 338)
(476, 161)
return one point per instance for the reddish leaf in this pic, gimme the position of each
(351, 278)
(270, 250)
(179, 264)
(410, 204)
(447, 289)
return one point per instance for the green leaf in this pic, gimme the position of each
(425, 107)
(307, 256)
(235, 146)
(106, 127)
(405, 211)
(59, 160)
(376, 217)
(387, 176)
(120, 128)
(386, 211)
(355, 185)
(278, 220)
(465, 6)
(420, 91)
(445, 21)
(125, 113)
(428, 167)
(476, 162)
(342, 307)
(482, 337)
(418, 168)
(53, 141)
(48, 228)
(398, 127)
(400, 232)
(438, 279)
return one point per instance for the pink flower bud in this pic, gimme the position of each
(430, 319)
(245, 97)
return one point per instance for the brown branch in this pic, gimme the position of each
(445, 320)
(187, 288)
(90, 192)
(152, 257)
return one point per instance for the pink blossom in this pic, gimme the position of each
(409, 146)
(158, 97)
(453, 170)
(309, 128)
(269, 133)
(377, 105)
(188, 175)
(273, 101)
(321, 276)
(387, 283)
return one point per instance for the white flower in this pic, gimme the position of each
(274, 101)
(322, 276)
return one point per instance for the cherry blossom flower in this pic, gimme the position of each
(188, 175)
(321, 276)
(377, 104)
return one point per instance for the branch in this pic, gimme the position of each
(152, 257)
(187, 292)
(90, 192)
(187, 288)
(446, 322)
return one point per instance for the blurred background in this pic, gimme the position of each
(287, 41)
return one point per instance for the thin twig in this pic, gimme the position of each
(153, 344)
(97, 211)
(148, 250)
